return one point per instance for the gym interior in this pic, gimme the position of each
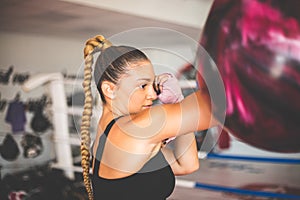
(252, 48)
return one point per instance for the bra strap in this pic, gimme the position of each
(102, 141)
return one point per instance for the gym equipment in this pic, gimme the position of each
(9, 149)
(255, 45)
(55, 85)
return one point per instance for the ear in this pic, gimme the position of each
(108, 89)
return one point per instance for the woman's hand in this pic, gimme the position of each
(167, 88)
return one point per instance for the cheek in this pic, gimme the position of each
(124, 93)
(137, 98)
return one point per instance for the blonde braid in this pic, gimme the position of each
(92, 45)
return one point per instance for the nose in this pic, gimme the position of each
(151, 93)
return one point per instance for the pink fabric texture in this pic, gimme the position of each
(171, 91)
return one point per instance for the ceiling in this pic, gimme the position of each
(79, 21)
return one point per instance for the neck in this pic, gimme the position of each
(108, 113)
(114, 110)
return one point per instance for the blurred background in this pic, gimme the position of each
(255, 47)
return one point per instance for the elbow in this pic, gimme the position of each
(189, 168)
(193, 167)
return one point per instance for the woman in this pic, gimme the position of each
(129, 159)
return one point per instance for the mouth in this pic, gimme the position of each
(147, 106)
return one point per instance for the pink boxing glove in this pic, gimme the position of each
(171, 91)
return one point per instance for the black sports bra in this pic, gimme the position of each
(155, 180)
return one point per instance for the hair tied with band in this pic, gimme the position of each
(98, 43)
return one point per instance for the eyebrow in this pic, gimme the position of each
(144, 79)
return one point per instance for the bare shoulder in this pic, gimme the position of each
(124, 152)
(123, 135)
(153, 125)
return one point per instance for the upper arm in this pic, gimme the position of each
(168, 120)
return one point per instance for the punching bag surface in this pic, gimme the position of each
(256, 47)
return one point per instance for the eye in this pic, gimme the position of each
(143, 86)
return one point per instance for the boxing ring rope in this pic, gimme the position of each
(254, 158)
(197, 185)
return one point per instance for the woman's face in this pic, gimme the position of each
(134, 91)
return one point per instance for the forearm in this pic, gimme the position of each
(183, 156)
(185, 151)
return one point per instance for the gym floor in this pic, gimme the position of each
(231, 179)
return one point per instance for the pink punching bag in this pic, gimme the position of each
(256, 47)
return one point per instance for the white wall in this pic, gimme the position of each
(183, 12)
(40, 54)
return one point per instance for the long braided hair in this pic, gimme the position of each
(112, 62)
(92, 45)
